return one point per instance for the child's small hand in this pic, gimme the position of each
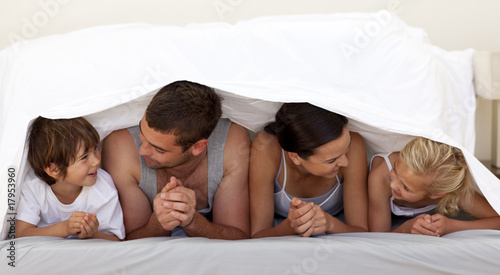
(74, 223)
(422, 224)
(442, 224)
(89, 226)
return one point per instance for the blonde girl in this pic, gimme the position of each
(426, 183)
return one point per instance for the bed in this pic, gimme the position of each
(371, 67)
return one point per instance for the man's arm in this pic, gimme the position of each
(230, 206)
(121, 160)
(231, 202)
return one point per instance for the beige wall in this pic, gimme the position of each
(450, 24)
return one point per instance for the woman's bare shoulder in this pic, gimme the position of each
(266, 150)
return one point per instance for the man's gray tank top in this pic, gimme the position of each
(215, 152)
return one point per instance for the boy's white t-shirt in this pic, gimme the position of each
(39, 205)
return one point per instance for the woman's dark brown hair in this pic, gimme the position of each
(303, 127)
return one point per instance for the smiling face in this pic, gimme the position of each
(160, 150)
(83, 171)
(328, 158)
(406, 185)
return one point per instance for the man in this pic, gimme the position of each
(182, 168)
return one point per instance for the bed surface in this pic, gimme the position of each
(465, 252)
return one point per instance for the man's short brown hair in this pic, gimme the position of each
(186, 109)
(58, 141)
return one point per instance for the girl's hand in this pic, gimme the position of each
(422, 224)
(442, 223)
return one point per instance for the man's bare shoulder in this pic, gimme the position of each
(118, 135)
(237, 134)
(120, 156)
(118, 142)
(237, 147)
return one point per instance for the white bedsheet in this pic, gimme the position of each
(373, 68)
(466, 252)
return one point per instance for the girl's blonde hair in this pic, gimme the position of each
(447, 167)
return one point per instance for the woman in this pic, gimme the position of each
(305, 169)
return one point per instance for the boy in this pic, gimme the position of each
(70, 196)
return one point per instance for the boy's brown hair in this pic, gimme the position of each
(58, 141)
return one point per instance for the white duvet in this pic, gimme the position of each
(373, 68)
